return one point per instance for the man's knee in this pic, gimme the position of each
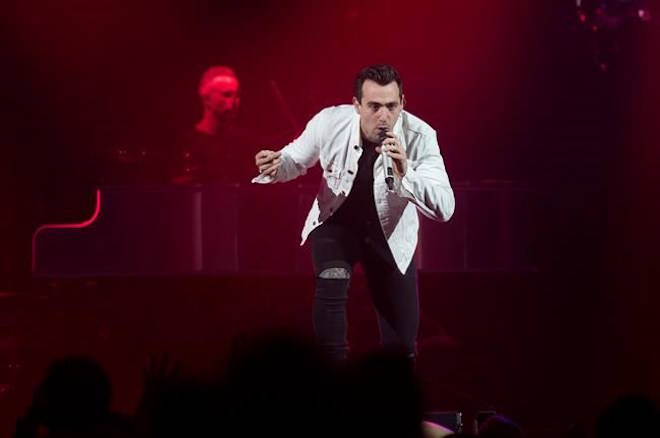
(335, 274)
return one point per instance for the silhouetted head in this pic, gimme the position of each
(74, 395)
(630, 416)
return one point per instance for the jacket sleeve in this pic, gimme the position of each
(299, 155)
(426, 183)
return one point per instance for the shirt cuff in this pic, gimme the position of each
(405, 186)
(263, 179)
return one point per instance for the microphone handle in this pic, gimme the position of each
(388, 171)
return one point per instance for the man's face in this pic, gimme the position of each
(222, 96)
(379, 109)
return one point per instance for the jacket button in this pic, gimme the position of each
(314, 223)
(356, 147)
(350, 171)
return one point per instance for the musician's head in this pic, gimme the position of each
(219, 91)
(378, 99)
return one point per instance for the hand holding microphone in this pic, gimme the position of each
(394, 157)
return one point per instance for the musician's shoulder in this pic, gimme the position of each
(337, 111)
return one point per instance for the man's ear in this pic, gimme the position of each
(356, 104)
(403, 100)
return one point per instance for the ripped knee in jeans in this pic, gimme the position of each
(335, 274)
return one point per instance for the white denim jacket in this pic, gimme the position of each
(333, 137)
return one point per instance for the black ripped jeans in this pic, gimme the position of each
(394, 295)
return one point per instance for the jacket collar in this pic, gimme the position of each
(356, 136)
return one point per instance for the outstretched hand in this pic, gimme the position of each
(394, 149)
(268, 162)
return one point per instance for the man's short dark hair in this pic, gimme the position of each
(382, 74)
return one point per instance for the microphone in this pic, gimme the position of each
(388, 170)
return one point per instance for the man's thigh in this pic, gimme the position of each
(334, 251)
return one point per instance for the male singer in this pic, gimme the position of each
(380, 163)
